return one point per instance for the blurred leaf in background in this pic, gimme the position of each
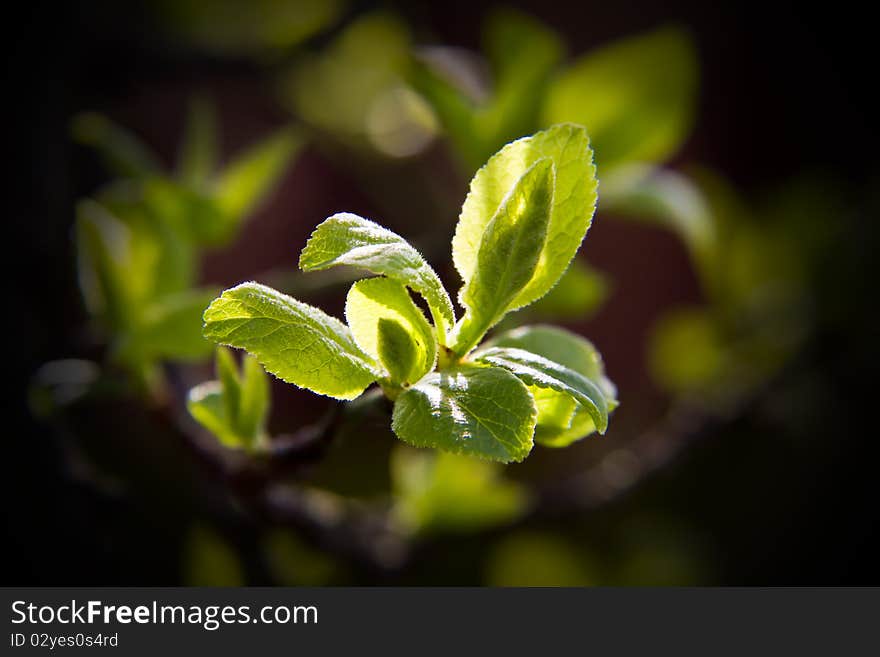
(208, 560)
(480, 115)
(140, 238)
(636, 96)
(531, 558)
(441, 492)
(256, 28)
(235, 406)
(293, 563)
(355, 90)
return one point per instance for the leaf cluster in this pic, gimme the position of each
(521, 224)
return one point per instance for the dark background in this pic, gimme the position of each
(783, 90)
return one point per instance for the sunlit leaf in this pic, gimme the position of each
(255, 399)
(347, 239)
(509, 252)
(561, 420)
(574, 201)
(635, 96)
(294, 341)
(207, 406)
(234, 407)
(476, 411)
(537, 371)
(383, 302)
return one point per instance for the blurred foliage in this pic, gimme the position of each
(293, 563)
(442, 492)
(636, 96)
(208, 560)
(139, 239)
(528, 558)
(355, 89)
(235, 406)
(256, 28)
(760, 281)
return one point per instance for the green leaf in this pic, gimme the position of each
(294, 341)
(124, 153)
(207, 406)
(255, 400)
(251, 176)
(538, 371)
(636, 96)
(104, 245)
(509, 252)
(476, 411)
(378, 302)
(561, 346)
(198, 153)
(347, 239)
(172, 327)
(438, 491)
(561, 420)
(235, 407)
(397, 351)
(227, 372)
(574, 201)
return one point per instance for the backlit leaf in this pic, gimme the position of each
(347, 239)
(477, 411)
(294, 341)
(574, 201)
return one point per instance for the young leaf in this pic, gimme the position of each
(227, 372)
(561, 346)
(253, 410)
(397, 350)
(538, 371)
(378, 302)
(509, 252)
(347, 239)
(207, 406)
(635, 96)
(561, 420)
(198, 153)
(574, 201)
(252, 175)
(478, 411)
(294, 341)
(107, 258)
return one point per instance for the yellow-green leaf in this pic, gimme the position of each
(373, 300)
(294, 341)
